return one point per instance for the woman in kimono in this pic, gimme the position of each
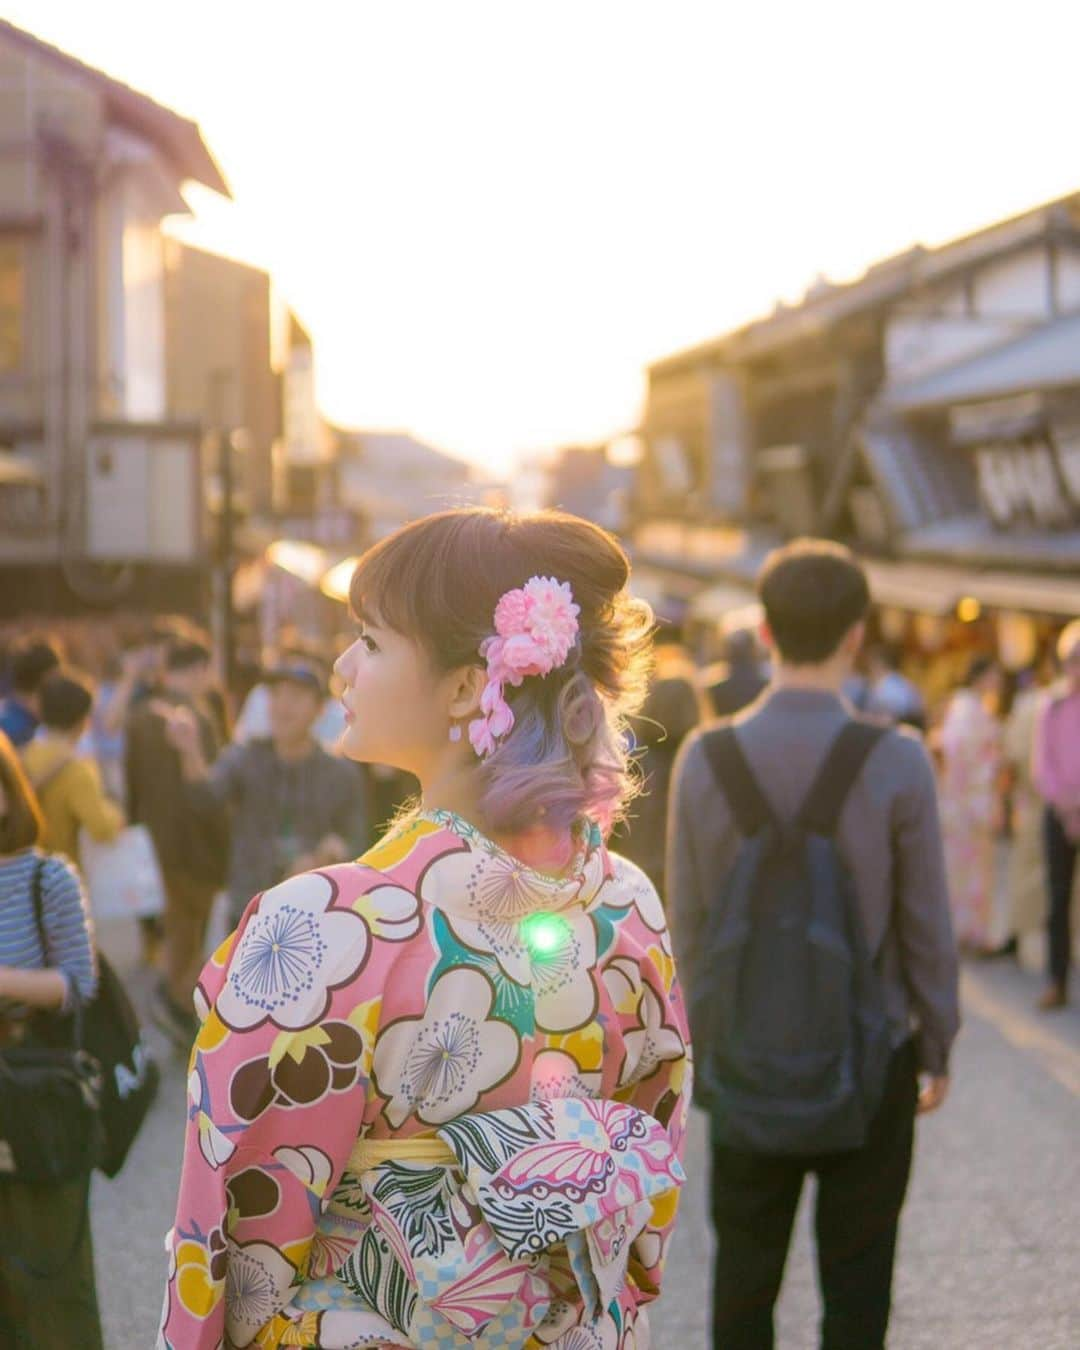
(971, 801)
(438, 1097)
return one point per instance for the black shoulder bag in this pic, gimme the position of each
(111, 1034)
(50, 1101)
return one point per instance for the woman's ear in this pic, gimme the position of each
(466, 687)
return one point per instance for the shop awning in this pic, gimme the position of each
(913, 586)
(1059, 596)
(924, 588)
(1046, 358)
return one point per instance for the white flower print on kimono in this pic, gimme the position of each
(633, 887)
(437, 1066)
(292, 953)
(556, 1074)
(258, 1280)
(295, 950)
(651, 1042)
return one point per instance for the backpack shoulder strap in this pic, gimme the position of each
(736, 780)
(36, 881)
(820, 812)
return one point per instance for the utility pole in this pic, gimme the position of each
(228, 565)
(218, 388)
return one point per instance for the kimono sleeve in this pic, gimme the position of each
(276, 1090)
(656, 1073)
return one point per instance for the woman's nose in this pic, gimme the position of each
(342, 666)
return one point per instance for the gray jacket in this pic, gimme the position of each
(280, 810)
(889, 836)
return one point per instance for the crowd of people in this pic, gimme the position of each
(231, 808)
(228, 806)
(489, 985)
(1006, 750)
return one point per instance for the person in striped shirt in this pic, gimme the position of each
(41, 1222)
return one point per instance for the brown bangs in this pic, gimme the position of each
(437, 581)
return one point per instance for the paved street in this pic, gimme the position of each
(990, 1246)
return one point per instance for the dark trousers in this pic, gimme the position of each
(860, 1195)
(39, 1224)
(1060, 867)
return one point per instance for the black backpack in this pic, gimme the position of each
(791, 1033)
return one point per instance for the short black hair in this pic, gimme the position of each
(31, 660)
(813, 592)
(67, 697)
(181, 653)
(167, 627)
(977, 667)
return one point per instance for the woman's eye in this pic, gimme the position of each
(369, 642)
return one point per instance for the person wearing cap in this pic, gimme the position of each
(253, 722)
(293, 805)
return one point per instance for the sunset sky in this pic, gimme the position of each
(493, 215)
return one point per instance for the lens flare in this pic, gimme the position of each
(544, 934)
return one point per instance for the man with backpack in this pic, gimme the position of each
(811, 924)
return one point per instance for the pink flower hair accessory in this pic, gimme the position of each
(535, 628)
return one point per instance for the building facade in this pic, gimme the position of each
(100, 489)
(928, 413)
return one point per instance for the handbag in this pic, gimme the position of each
(50, 1114)
(50, 1094)
(111, 1035)
(123, 879)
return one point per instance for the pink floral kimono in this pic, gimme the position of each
(524, 1032)
(971, 742)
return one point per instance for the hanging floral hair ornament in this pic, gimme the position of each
(535, 628)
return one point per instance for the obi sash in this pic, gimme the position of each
(481, 1234)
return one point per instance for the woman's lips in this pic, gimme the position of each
(350, 716)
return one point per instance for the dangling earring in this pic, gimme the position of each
(455, 732)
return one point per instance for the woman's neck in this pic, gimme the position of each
(454, 792)
(452, 786)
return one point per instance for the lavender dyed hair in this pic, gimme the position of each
(437, 581)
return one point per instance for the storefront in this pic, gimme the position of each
(939, 616)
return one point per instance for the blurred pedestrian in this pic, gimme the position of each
(672, 709)
(1056, 773)
(253, 723)
(1026, 872)
(40, 1223)
(466, 1003)
(192, 851)
(67, 782)
(743, 678)
(807, 896)
(292, 805)
(972, 760)
(131, 679)
(891, 695)
(30, 660)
